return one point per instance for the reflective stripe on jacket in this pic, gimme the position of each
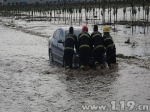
(108, 41)
(96, 40)
(71, 41)
(84, 40)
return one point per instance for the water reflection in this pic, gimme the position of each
(136, 30)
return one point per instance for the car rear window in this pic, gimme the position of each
(76, 32)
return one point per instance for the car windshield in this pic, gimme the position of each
(76, 32)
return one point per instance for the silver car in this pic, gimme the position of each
(56, 46)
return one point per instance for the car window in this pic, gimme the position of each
(76, 32)
(56, 35)
(61, 34)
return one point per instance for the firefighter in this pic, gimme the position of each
(70, 41)
(84, 48)
(97, 48)
(110, 48)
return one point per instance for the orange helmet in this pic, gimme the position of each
(85, 28)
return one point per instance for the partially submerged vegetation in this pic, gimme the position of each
(125, 57)
(129, 24)
(94, 11)
(128, 41)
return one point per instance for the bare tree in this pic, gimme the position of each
(139, 12)
(80, 10)
(71, 12)
(124, 12)
(143, 4)
(99, 6)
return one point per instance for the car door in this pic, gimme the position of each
(61, 45)
(54, 47)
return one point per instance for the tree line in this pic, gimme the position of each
(73, 12)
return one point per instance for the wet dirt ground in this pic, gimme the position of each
(29, 83)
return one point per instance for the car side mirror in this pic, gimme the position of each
(60, 41)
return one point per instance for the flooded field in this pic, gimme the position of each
(30, 83)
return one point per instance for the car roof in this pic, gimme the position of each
(75, 28)
(67, 28)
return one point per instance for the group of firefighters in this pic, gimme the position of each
(88, 45)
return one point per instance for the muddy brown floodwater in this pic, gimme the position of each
(29, 83)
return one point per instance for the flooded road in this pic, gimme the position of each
(29, 83)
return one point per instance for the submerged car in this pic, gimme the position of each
(56, 46)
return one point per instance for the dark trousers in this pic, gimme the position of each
(68, 56)
(84, 54)
(98, 56)
(111, 56)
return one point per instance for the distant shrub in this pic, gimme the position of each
(128, 41)
(125, 57)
